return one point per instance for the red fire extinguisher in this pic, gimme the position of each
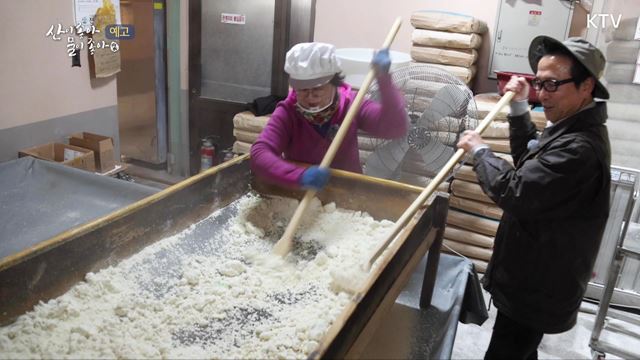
(207, 154)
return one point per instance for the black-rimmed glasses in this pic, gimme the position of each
(549, 85)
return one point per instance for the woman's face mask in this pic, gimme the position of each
(315, 100)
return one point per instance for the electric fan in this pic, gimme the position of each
(440, 107)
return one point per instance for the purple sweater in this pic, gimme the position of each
(289, 136)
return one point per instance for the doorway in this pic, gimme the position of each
(142, 116)
(236, 54)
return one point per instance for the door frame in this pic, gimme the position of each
(223, 125)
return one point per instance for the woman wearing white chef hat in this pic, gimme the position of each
(303, 125)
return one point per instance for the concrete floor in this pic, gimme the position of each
(472, 340)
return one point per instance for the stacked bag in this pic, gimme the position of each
(448, 41)
(246, 128)
(473, 217)
(622, 54)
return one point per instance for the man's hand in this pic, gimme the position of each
(381, 61)
(470, 140)
(520, 86)
(314, 178)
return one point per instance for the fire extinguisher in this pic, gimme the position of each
(207, 154)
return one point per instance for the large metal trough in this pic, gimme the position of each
(50, 268)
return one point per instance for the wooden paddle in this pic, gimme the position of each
(283, 245)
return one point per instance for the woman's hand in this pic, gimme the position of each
(315, 178)
(381, 61)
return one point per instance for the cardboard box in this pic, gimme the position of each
(70, 155)
(102, 147)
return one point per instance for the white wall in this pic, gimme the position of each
(365, 23)
(38, 82)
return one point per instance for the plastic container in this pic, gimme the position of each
(505, 76)
(356, 62)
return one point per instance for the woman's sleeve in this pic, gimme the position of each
(266, 152)
(387, 119)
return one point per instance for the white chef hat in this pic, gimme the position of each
(311, 64)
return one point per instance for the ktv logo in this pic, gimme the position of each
(592, 22)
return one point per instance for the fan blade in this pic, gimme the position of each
(435, 155)
(385, 161)
(450, 100)
(428, 118)
(446, 124)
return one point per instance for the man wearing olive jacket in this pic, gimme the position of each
(555, 199)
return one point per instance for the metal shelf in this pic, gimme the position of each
(623, 194)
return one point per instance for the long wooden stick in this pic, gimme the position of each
(442, 174)
(283, 245)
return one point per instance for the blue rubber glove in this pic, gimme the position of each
(314, 178)
(381, 61)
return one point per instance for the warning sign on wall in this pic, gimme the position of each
(534, 17)
(232, 18)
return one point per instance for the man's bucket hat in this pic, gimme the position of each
(582, 50)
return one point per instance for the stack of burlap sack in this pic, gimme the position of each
(473, 217)
(247, 127)
(623, 54)
(447, 40)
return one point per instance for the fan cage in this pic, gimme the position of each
(436, 119)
